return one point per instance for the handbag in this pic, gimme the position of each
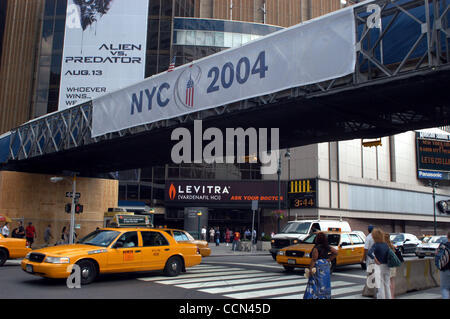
(392, 259)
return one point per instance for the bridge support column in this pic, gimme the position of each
(33, 198)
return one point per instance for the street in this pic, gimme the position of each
(221, 276)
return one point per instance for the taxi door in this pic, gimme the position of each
(125, 254)
(345, 250)
(358, 248)
(155, 250)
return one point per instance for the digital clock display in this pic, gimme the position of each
(302, 193)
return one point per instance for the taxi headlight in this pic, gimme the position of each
(307, 255)
(57, 260)
(281, 253)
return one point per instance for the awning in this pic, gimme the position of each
(4, 218)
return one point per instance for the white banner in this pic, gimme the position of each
(317, 50)
(104, 48)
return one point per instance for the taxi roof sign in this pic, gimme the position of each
(123, 220)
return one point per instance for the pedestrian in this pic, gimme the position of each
(443, 263)
(64, 236)
(247, 234)
(254, 237)
(393, 270)
(30, 234)
(18, 232)
(48, 235)
(5, 230)
(204, 233)
(227, 236)
(217, 236)
(368, 292)
(319, 280)
(236, 241)
(211, 235)
(379, 252)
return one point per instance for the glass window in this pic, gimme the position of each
(200, 38)
(190, 37)
(356, 239)
(180, 37)
(345, 239)
(151, 238)
(333, 239)
(179, 236)
(246, 38)
(129, 239)
(164, 41)
(237, 40)
(228, 39)
(50, 7)
(397, 238)
(296, 228)
(61, 7)
(101, 238)
(209, 38)
(219, 39)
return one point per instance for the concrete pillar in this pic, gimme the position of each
(33, 198)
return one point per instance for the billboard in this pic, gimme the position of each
(104, 48)
(311, 52)
(228, 192)
(433, 156)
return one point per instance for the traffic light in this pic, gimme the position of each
(68, 207)
(78, 209)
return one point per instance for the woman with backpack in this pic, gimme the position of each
(393, 270)
(379, 252)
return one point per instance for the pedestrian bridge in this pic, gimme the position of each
(395, 78)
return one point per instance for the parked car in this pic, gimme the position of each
(350, 247)
(184, 237)
(406, 243)
(429, 248)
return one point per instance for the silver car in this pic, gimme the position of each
(429, 248)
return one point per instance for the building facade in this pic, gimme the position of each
(377, 185)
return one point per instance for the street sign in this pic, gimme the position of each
(254, 204)
(69, 194)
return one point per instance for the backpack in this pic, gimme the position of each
(392, 259)
(442, 257)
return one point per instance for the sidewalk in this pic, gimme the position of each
(223, 250)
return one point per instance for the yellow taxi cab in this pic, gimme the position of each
(184, 237)
(11, 248)
(350, 247)
(114, 250)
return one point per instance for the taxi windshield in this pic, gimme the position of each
(296, 228)
(333, 239)
(101, 238)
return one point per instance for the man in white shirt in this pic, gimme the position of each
(5, 230)
(204, 233)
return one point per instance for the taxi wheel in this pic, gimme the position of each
(88, 271)
(3, 256)
(173, 266)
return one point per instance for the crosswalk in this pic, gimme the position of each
(243, 283)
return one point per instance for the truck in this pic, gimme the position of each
(295, 231)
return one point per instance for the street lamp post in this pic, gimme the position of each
(288, 156)
(72, 209)
(434, 185)
(199, 214)
(279, 192)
